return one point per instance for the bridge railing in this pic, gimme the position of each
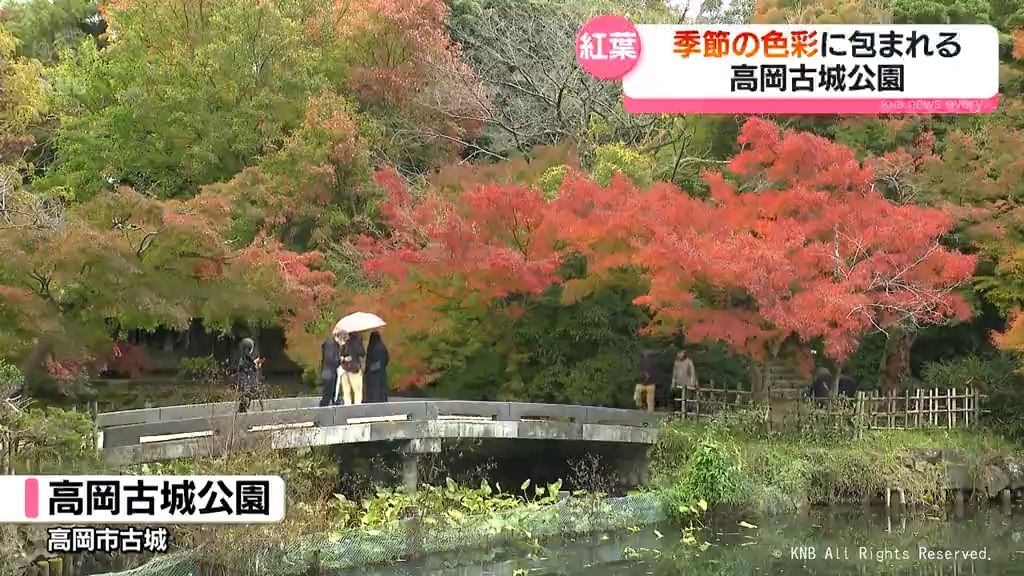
(153, 425)
(189, 411)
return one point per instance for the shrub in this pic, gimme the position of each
(205, 369)
(311, 377)
(785, 473)
(997, 376)
(696, 465)
(987, 373)
(715, 363)
(10, 378)
(51, 441)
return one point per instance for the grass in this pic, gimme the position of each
(727, 464)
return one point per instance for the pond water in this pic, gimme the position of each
(819, 542)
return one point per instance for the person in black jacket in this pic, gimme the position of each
(821, 387)
(248, 372)
(643, 394)
(375, 380)
(330, 363)
(848, 386)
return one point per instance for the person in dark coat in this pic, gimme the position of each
(820, 388)
(248, 371)
(330, 363)
(375, 380)
(643, 394)
(847, 386)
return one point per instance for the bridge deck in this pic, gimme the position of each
(154, 434)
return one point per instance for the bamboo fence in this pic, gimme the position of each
(914, 409)
(921, 408)
(706, 401)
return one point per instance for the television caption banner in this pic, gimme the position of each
(83, 539)
(142, 499)
(795, 69)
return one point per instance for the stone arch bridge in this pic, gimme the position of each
(413, 427)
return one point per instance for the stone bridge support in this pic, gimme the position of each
(632, 463)
(411, 452)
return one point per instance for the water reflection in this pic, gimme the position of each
(821, 543)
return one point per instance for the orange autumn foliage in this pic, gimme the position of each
(808, 248)
(1018, 44)
(794, 241)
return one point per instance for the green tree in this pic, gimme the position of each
(46, 27)
(186, 95)
(72, 276)
(23, 106)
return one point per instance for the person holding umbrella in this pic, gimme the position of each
(350, 377)
(351, 374)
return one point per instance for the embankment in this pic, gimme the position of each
(728, 465)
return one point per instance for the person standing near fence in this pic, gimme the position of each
(848, 386)
(684, 378)
(643, 394)
(684, 374)
(821, 387)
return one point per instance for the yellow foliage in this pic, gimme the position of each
(22, 99)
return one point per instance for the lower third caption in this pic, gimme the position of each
(78, 539)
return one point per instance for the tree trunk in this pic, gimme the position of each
(835, 379)
(896, 361)
(758, 388)
(32, 366)
(194, 334)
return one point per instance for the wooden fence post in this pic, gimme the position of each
(917, 417)
(977, 407)
(890, 416)
(906, 409)
(696, 402)
(950, 393)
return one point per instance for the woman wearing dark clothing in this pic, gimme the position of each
(821, 386)
(847, 386)
(375, 382)
(248, 371)
(330, 363)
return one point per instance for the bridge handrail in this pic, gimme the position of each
(188, 411)
(117, 434)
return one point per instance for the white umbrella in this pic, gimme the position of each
(359, 322)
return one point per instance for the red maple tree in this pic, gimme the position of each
(449, 252)
(794, 243)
